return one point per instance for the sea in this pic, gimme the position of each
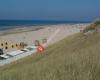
(9, 24)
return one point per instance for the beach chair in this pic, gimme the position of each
(6, 43)
(2, 44)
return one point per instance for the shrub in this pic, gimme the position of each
(92, 26)
(97, 22)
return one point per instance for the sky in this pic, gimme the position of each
(66, 10)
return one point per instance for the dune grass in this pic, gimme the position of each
(93, 26)
(74, 58)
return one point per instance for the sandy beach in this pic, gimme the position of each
(28, 35)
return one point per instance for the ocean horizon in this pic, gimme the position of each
(9, 24)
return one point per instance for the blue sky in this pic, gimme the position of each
(83, 10)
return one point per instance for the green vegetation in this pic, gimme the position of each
(93, 26)
(74, 58)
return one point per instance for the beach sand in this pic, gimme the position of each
(28, 35)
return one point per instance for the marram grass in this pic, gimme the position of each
(74, 58)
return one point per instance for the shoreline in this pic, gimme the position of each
(29, 34)
(21, 29)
